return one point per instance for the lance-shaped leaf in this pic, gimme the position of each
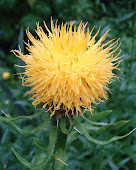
(42, 158)
(38, 143)
(84, 132)
(13, 126)
(71, 137)
(37, 160)
(27, 164)
(22, 160)
(63, 126)
(23, 117)
(49, 150)
(60, 159)
(92, 122)
(105, 128)
(100, 115)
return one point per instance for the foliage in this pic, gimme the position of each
(58, 137)
(16, 16)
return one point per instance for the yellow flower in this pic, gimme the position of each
(5, 75)
(67, 68)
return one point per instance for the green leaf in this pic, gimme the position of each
(12, 98)
(38, 143)
(13, 126)
(125, 17)
(39, 127)
(130, 99)
(100, 115)
(84, 132)
(100, 161)
(4, 137)
(40, 156)
(71, 137)
(63, 126)
(49, 150)
(92, 122)
(37, 160)
(22, 160)
(23, 117)
(60, 160)
(105, 128)
(123, 162)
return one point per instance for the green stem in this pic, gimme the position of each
(61, 142)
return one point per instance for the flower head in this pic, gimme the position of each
(67, 68)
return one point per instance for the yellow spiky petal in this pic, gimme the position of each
(68, 68)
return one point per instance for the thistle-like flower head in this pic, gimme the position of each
(67, 68)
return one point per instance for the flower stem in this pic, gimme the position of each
(60, 144)
(62, 138)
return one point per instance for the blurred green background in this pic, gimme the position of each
(120, 17)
